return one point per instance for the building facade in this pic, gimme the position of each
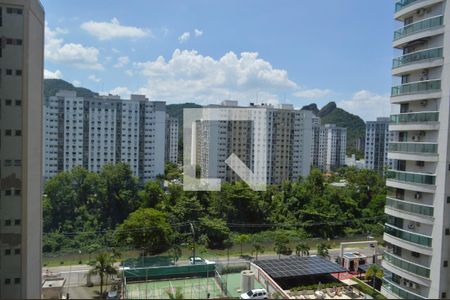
(21, 89)
(417, 232)
(376, 145)
(288, 143)
(92, 132)
(171, 139)
(329, 146)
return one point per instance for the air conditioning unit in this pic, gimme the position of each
(411, 226)
(413, 285)
(420, 11)
(415, 138)
(422, 133)
(418, 195)
(424, 102)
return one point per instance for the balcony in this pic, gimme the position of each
(395, 288)
(403, 3)
(415, 57)
(411, 177)
(419, 26)
(414, 148)
(417, 117)
(408, 236)
(406, 265)
(416, 87)
(419, 209)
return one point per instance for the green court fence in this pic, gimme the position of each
(172, 271)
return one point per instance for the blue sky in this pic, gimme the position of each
(290, 51)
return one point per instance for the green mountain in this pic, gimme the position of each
(331, 114)
(52, 86)
(176, 111)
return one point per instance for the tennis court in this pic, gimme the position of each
(191, 288)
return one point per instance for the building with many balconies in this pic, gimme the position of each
(376, 145)
(417, 232)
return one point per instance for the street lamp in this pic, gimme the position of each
(193, 242)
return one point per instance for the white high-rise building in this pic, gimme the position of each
(92, 132)
(417, 232)
(171, 139)
(289, 136)
(376, 145)
(329, 146)
(21, 89)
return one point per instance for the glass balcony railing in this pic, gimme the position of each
(411, 207)
(415, 238)
(416, 87)
(422, 25)
(411, 177)
(418, 117)
(402, 4)
(417, 57)
(420, 148)
(395, 288)
(407, 266)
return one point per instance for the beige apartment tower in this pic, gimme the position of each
(417, 231)
(21, 84)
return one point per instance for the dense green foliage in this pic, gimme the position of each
(52, 86)
(87, 211)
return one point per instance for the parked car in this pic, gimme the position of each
(255, 294)
(198, 260)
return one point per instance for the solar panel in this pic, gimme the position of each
(296, 266)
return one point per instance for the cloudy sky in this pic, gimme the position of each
(291, 51)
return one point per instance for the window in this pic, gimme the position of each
(17, 222)
(7, 252)
(7, 222)
(8, 72)
(19, 42)
(17, 251)
(18, 102)
(445, 263)
(18, 72)
(8, 102)
(7, 281)
(8, 193)
(18, 132)
(16, 280)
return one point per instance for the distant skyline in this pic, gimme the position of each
(251, 51)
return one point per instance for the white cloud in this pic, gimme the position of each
(76, 82)
(72, 54)
(312, 93)
(198, 32)
(123, 92)
(184, 37)
(188, 75)
(52, 75)
(129, 73)
(94, 78)
(122, 61)
(367, 105)
(113, 29)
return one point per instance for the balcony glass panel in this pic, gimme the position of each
(416, 57)
(413, 147)
(397, 290)
(407, 266)
(409, 206)
(402, 4)
(418, 117)
(407, 236)
(411, 177)
(418, 26)
(416, 87)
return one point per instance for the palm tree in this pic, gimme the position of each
(177, 295)
(374, 271)
(302, 249)
(103, 265)
(322, 250)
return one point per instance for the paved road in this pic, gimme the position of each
(76, 275)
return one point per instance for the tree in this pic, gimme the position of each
(374, 271)
(241, 239)
(216, 230)
(152, 194)
(104, 267)
(228, 244)
(302, 249)
(257, 247)
(282, 245)
(175, 252)
(146, 229)
(322, 250)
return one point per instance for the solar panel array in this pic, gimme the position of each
(296, 266)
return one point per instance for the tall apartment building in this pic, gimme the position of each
(171, 139)
(92, 132)
(417, 232)
(329, 146)
(21, 88)
(288, 141)
(377, 143)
